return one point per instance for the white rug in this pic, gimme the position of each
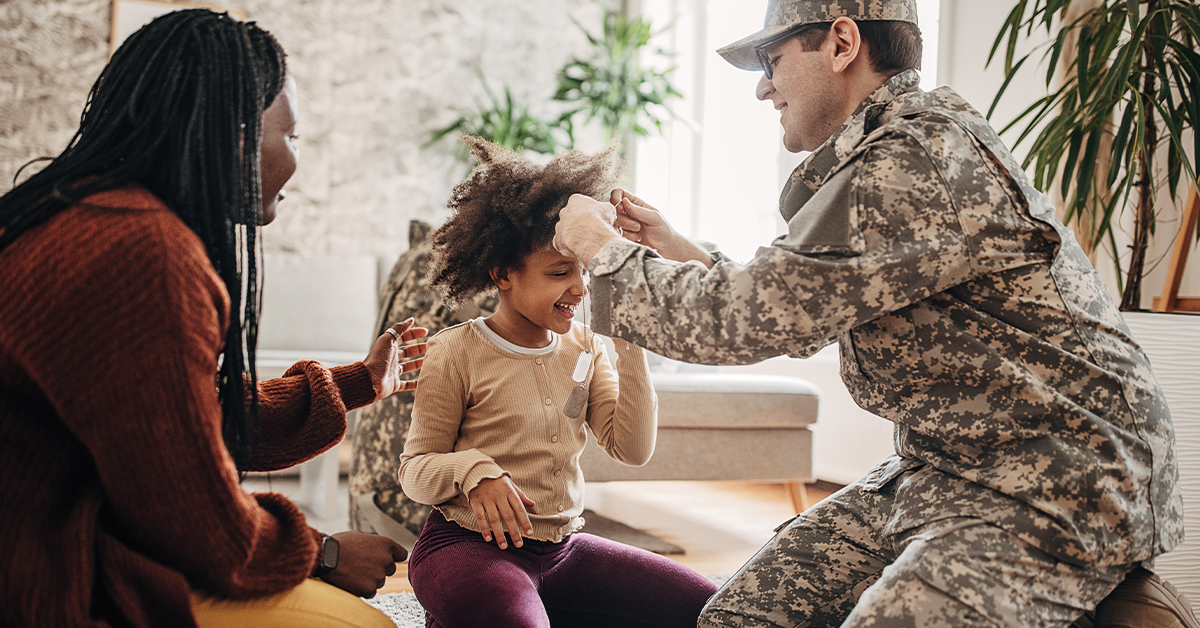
(401, 607)
(404, 609)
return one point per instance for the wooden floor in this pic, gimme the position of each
(720, 525)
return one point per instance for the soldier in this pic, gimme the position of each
(1035, 466)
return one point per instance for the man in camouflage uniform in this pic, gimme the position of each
(1035, 463)
(377, 503)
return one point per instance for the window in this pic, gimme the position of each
(717, 171)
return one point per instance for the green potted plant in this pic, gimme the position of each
(611, 85)
(507, 122)
(1123, 87)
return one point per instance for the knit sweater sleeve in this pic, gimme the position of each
(431, 471)
(125, 346)
(622, 406)
(303, 413)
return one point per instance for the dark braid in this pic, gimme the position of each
(178, 110)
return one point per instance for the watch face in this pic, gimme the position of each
(329, 557)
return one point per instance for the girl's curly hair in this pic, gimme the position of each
(507, 209)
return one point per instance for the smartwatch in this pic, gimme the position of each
(328, 554)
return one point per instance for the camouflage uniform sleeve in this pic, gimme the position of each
(881, 233)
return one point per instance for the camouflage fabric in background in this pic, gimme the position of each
(381, 429)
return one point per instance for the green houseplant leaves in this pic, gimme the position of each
(1132, 89)
(508, 123)
(612, 85)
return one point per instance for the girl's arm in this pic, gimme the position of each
(431, 472)
(622, 406)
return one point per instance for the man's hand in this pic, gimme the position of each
(500, 505)
(644, 225)
(364, 562)
(390, 358)
(585, 225)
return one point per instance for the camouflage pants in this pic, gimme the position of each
(839, 565)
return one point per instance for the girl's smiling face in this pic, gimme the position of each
(540, 297)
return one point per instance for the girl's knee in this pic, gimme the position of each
(509, 615)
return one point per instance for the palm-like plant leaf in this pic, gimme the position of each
(1135, 62)
(611, 85)
(508, 123)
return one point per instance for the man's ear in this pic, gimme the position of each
(847, 42)
(500, 278)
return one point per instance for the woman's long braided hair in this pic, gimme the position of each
(178, 110)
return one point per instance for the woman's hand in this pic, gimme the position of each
(641, 223)
(499, 504)
(364, 562)
(390, 358)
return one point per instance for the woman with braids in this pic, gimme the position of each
(502, 416)
(129, 404)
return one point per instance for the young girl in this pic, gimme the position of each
(502, 415)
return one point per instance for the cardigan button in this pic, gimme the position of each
(548, 401)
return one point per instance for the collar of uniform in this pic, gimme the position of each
(808, 177)
(866, 117)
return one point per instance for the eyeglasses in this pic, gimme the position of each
(764, 59)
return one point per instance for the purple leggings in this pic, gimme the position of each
(581, 582)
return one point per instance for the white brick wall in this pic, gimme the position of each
(376, 77)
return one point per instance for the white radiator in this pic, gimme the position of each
(1173, 343)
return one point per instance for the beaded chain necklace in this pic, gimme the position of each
(577, 400)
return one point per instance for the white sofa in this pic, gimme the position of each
(725, 426)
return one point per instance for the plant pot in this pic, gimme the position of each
(1173, 343)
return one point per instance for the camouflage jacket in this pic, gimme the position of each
(966, 314)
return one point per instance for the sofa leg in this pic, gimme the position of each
(799, 496)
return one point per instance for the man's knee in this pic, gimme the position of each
(913, 603)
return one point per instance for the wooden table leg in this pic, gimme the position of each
(799, 496)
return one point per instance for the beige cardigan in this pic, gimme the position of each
(484, 412)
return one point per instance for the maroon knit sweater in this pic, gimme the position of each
(117, 495)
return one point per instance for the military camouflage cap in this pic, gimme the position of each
(783, 15)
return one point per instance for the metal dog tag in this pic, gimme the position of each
(581, 367)
(578, 397)
(575, 402)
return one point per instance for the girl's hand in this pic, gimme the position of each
(390, 358)
(364, 562)
(500, 505)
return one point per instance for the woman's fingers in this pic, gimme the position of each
(390, 358)
(409, 332)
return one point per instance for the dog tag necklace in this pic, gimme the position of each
(577, 400)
